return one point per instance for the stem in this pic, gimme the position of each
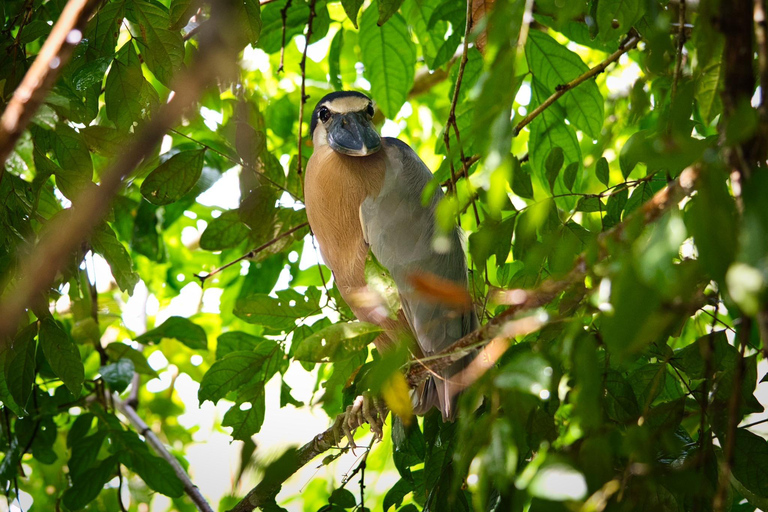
(680, 46)
(629, 44)
(303, 66)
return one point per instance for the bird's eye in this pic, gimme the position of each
(324, 114)
(369, 110)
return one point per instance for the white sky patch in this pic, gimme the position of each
(225, 193)
(255, 59)
(310, 256)
(211, 118)
(185, 304)
(524, 94)
(212, 300)
(157, 360)
(390, 129)
(622, 78)
(166, 145)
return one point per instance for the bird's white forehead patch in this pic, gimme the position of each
(347, 104)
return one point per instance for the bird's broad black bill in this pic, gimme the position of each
(353, 134)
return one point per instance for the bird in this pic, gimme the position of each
(363, 192)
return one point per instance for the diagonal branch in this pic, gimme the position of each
(67, 232)
(53, 56)
(264, 493)
(141, 427)
(627, 45)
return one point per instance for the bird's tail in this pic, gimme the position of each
(441, 391)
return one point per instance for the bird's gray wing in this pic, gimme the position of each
(401, 233)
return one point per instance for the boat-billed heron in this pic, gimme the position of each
(365, 191)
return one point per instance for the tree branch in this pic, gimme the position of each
(265, 492)
(250, 254)
(141, 427)
(53, 56)
(67, 232)
(627, 45)
(303, 101)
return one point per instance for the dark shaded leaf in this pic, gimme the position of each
(182, 329)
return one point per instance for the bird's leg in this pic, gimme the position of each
(365, 409)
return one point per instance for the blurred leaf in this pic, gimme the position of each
(224, 232)
(181, 329)
(62, 355)
(174, 178)
(128, 97)
(245, 422)
(602, 171)
(86, 488)
(118, 375)
(616, 17)
(334, 54)
(156, 472)
(343, 498)
(750, 461)
(117, 351)
(569, 176)
(20, 365)
(389, 57)
(387, 8)
(161, 48)
(106, 243)
(352, 8)
(337, 342)
(553, 165)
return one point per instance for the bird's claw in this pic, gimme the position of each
(365, 409)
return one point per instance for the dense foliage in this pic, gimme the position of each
(617, 239)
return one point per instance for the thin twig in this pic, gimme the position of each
(629, 44)
(304, 98)
(250, 254)
(680, 46)
(141, 427)
(734, 418)
(761, 23)
(53, 56)
(284, 16)
(65, 233)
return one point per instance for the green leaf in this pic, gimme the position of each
(549, 131)
(248, 12)
(174, 178)
(235, 341)
(278, 313)
(396, 493)
(20, 365)
(224, 232)
(387, 8)
(182, 329)
(708, 86)
(526, 372)
(616, 17)
(162, 48)
(389, 57)
(228, 374)
(343, 498)
(76, 166)
(521, 180)
(553, 65)
(553, 165)
(245, 422)
(632, 151)
(750, 462)
(117, 350)
(602, 171)
(103, 140)
(157, 473)
(105, 242)
(352, 8)
(590, 204)
(180, 12)
(62, 354)
(334, 56)
(296, 18)
(86, 488)
(128, 97)
(91, 73)
(337, 342)
(418, 14)
(118, 375)
(569, 176)
(620, 402)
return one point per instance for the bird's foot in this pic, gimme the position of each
(365, 409)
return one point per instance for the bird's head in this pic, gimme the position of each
(342, 120)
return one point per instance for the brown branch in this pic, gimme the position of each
(734, 418)
(266, 490)
(284, 16)
(141, 427)
(65, 233)
(250, 254)
(303, 102)
(264, 493)
(761, 25)
(527, 300)
(469, 162)
(53, 56)
(627, 45)
(680, 46)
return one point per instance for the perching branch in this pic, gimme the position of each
(527, 300)
(65, 233)
(250, 254)
(141, 427)
(264, 493)
(627, 45)
(53, 56)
